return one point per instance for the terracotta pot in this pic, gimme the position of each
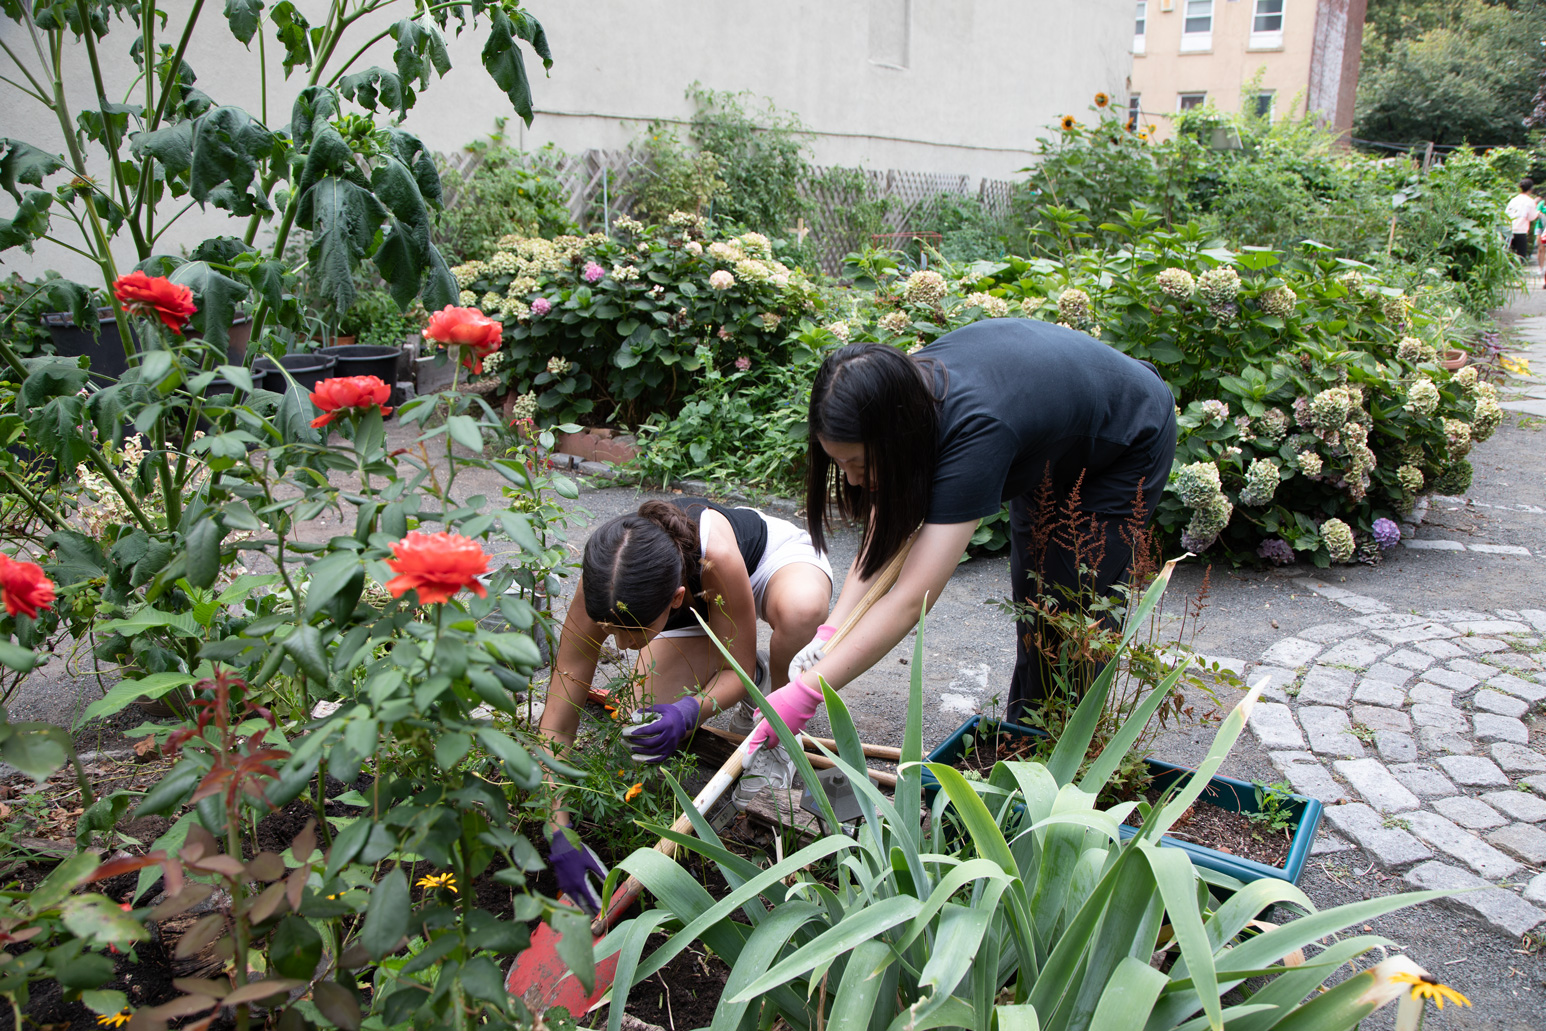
(1454, 359)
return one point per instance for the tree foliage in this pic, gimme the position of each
(1450, 72)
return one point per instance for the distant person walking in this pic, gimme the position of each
(1540, 237)
(1521, 212)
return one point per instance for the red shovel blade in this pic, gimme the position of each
(543, 980)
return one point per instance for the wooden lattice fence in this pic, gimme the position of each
(847, 207)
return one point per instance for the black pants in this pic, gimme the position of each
(1520, 244)
(1104, 519)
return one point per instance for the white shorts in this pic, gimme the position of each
(787, 544)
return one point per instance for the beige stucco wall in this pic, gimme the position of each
(982, 80)
(1226, 71)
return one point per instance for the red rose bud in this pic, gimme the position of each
(349, 395)
(437, 565)
(155, 297)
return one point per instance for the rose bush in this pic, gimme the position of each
(635, 316)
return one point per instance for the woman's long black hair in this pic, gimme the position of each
(634, 563)
(876, 396)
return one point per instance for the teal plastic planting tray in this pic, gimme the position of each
(1224, 792)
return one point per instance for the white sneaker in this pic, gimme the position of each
(744, 717)
(770, 767)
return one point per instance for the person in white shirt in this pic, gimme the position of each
(1521, 212)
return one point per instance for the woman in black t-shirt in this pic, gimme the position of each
(1001, 410)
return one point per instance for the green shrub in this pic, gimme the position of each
(506, 190)
(746, 428)
(1308, 391)
(615, 328)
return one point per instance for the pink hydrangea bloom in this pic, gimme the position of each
(743, 363)
(541, 306)
(593, 272)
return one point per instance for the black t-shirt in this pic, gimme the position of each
(751, 538)
(1021, 394)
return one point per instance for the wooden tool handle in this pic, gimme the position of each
(629, 890)
(877, 590)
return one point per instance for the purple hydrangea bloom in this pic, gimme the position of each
(541, 306)
(1387, 533)
(593, 272)
(1276, 550)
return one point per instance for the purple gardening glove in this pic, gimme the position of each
(795, 704)
(658, 740)
(573, 867)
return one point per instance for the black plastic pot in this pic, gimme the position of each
(307, 369)
(367, 360)
(106, 349)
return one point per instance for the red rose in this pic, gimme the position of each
(344, 395)
(24, 587)
(465, 327)
(437, 565)
(155, 296)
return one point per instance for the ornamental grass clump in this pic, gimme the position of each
(1017, 904)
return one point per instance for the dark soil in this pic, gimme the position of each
(682, 994)
(1223, 831)
(1205, 824)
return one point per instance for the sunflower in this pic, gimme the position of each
(634, 792)
(1132, 123)
(118, 1019)
(1069, 123)
(1101, 100)
(1426, 987)
(1143, 134)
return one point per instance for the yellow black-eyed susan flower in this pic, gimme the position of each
(1143, 134)
(1101, 100)
(1069, 123)
(118, 1019)
(437, 880)
(634, 792)
(1425, 986)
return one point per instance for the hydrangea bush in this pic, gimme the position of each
(602, 328)
(1312, 410)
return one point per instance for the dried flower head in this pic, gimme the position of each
(1177, 283)
(1338, 538)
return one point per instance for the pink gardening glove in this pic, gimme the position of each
(795, 704)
